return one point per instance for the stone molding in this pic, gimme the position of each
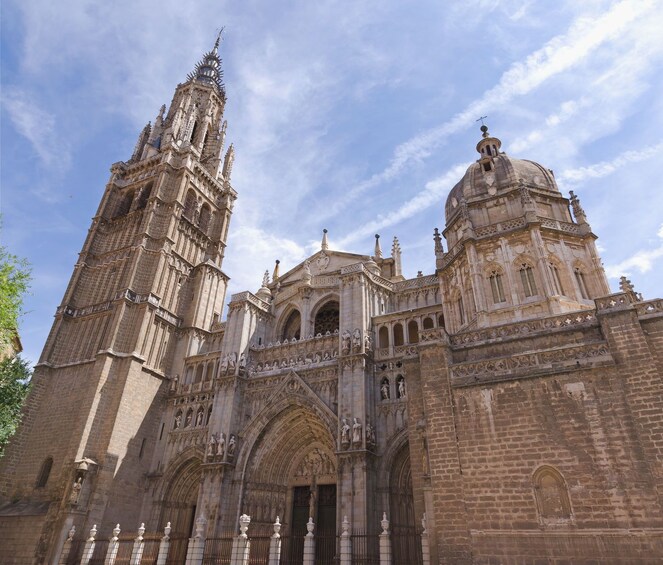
(531, 364)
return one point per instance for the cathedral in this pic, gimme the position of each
(508, 404)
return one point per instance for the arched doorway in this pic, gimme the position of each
(406, 543)
(291, 473)
(179, 504)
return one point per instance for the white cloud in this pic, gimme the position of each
(38, 127)
(605, 168)
(642, 260)
(559, 54)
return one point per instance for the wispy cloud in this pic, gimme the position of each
(558, 55)
(643, 260)
(38, 127)
(605, 168)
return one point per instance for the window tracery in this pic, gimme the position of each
(327, 319)
(527, 279)
(497, 287)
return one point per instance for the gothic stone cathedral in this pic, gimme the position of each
(509, 395)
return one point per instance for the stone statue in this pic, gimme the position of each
(345, 432)
(221, 447)
(76, 491)
(189, 417)
(346, 342)
(242, 361)
(401, 387)
(384, 390)
(178, 421)
(232, 361)
(370, 435)
(199, 418)
(356, 340)
(306, 274)
(367, 341)
(356, 432)
(224, 364)
(211, 448)
(232, 442)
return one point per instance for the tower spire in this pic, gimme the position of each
(208, 70)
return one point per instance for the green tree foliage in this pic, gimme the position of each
(14, 283)
(15, 372)
(14, 384)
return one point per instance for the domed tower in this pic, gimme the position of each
(514, 249)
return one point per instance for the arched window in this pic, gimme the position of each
(292, 327)
(552, 496)
(496, 287)
(413, 332)
(143, 196)
(440, 321)
(199, 373)
(189, 205)
(383, 337)
(460, 310)
(194, 130)
(125, 203)
(327, 319)
(398, 335)
(44, 473)
(428, 323)
(205, 215)
(582, 285)
(209, 415)
(527, 279)
(556, 280)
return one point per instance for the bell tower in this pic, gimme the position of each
(145, 291)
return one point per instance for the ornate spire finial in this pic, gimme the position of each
(578, 210)
(265, 278)
(275, 274)
(218, 40)
(325, 242)
(378, 249)
(208, 70)
(438, 241)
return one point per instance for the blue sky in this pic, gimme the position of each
(357, 117)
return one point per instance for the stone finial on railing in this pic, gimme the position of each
(164, 546)
(241, 544)
(113, 546)
(244, 521)
(139, 546)
(88, 550)
(309, 544)
(275, 544)
(66, 548)
(196, 547)
(425, 547)
(385, 541)
(346, 543)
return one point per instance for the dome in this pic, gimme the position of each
(495, 172)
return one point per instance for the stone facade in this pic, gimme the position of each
(509, 396)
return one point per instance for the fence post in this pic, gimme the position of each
(346, 543)
(66, 548)
(241, 544)
(385, 542)
(88, 550)
(113, 546)
(425, 548)
(139, 546)
(275, 544)
(164, 546)
(309, 544)
(196, 547)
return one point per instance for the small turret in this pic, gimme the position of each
(378, 249)
(228, 162)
